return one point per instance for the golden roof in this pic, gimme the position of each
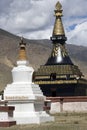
(59, 70)
(70, 81)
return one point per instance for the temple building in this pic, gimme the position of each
(59, 76)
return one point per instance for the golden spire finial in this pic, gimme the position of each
(58, 26)
(22, 51)
(58, 6)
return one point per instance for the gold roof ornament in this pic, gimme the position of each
(58, 26)
(22, 51)
(58, 6)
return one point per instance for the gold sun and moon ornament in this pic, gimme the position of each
(56, 49)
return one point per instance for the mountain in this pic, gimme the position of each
(38, 52)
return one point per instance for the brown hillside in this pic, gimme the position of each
(38, 52)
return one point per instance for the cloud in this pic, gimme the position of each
(34, 18)
(39, 34)
(75, 8)
(27, 16)
(4, 7)
(78, 36)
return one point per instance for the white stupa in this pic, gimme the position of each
(26, 96)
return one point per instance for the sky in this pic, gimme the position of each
(34, 19)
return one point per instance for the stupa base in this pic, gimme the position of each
(33, 117)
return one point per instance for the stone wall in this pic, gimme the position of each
(6, 115)
(68, 104)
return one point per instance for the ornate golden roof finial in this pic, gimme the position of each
(22, 51)
(58, 6)
(58, 26)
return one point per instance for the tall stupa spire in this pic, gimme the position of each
(58, 30)
(59, 53)
(22, 51)
(58, 27)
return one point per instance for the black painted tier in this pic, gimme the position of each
(65, 61)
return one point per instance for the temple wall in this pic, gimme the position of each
(57, 107)
(75, 107)
(6, 115)
(68, 104)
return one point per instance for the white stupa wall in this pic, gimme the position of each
(26, 96)
(22, 73)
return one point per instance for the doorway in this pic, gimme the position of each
(53, 92)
